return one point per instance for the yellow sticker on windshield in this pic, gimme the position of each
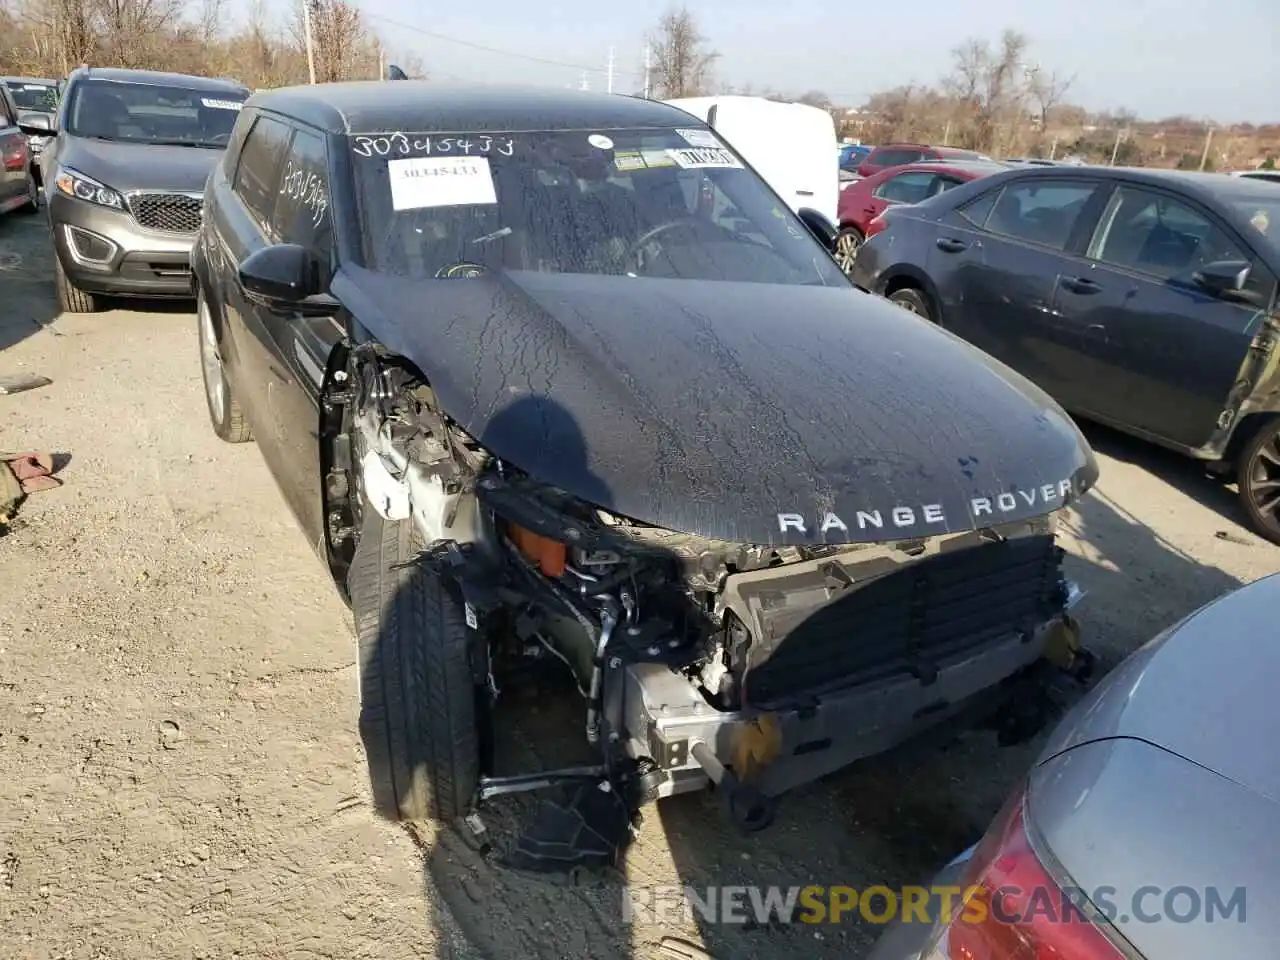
(628, 161)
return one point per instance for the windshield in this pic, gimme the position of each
(35, 97)
(153, 113)
(664, 203)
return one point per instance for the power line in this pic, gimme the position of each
(503, 53)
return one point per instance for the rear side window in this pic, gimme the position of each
(977, 210)
(302, 210)
(907, 187)
(6, 115)
(894, 157)
(259, 170)
(1040, 211)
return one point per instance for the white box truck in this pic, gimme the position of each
(792, 145)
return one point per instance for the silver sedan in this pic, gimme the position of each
(1150, 825)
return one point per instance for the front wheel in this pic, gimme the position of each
(1258, 477)
(72, 299)
(848, 240)
(418, 696)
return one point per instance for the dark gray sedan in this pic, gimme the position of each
(1149, 826)
(1142, 299)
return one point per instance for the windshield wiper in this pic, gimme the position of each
(182, 143)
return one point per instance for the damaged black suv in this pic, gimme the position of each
(556, 377)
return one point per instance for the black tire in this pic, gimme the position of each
(909, 298)
(1258, 477)
(32, 206)
(848, 240)
(70, 298)
(225, 416)
(418, 704)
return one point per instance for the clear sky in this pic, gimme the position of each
(1215, 58)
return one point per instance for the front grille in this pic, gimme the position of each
(912, 620)
(170, 212)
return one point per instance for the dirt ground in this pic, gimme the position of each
(180, 773)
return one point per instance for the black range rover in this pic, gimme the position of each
(557, 378)
(124, 180)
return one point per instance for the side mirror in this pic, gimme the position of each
(395, 73)
(35, 125)
(823, 230)
(284, 277)
(1223, 276)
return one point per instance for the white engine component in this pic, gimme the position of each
(387, 495)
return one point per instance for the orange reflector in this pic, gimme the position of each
(548, 554)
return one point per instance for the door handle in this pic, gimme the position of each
(804, 193)
(1080, 285)
(951, 245)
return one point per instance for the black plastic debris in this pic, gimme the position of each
(18, 382)
(585, 827)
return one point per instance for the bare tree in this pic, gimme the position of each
(681, 65)
(991, 87)
(1048, 88)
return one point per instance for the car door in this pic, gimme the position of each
(1161, 352)
(243, 226)
(13, 153)
(300, 344)
(996, 262)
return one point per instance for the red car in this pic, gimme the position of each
(864, 200)
(899, 154)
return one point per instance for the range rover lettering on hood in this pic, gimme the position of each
(997, 507)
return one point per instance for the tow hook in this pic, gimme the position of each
(748, 808)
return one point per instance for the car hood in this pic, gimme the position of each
(1205, 690)
(715, 407)
(140, 166)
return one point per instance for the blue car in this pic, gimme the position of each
(852, 155)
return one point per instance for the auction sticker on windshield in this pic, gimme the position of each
(700, 158)
(440, 182)
(699, 138)
(221, 104)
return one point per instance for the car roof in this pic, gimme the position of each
(425, 106)
(1206, 187)
(158, 78)
(958, 164)
(44, 81)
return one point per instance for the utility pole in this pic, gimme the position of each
(382, 56)
(1208, 139)
(946, 135)
(585, 85)
(610, 86)
(306, 32)
(1115, 151)
(1053, 149)
(648, 67)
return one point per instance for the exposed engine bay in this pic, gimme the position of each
(753, 667)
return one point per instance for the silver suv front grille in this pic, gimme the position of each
(170, 212)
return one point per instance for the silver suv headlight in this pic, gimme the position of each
(73, 183)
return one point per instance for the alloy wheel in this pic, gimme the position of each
(1262, 479)
(215, 383)
(847, 244)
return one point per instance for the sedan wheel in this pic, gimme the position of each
(848, 241)
(1258, 476)
(913, 300)
(224, 413)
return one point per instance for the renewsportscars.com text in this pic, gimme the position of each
(815, 904)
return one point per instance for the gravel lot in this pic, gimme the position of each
(180, 774)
